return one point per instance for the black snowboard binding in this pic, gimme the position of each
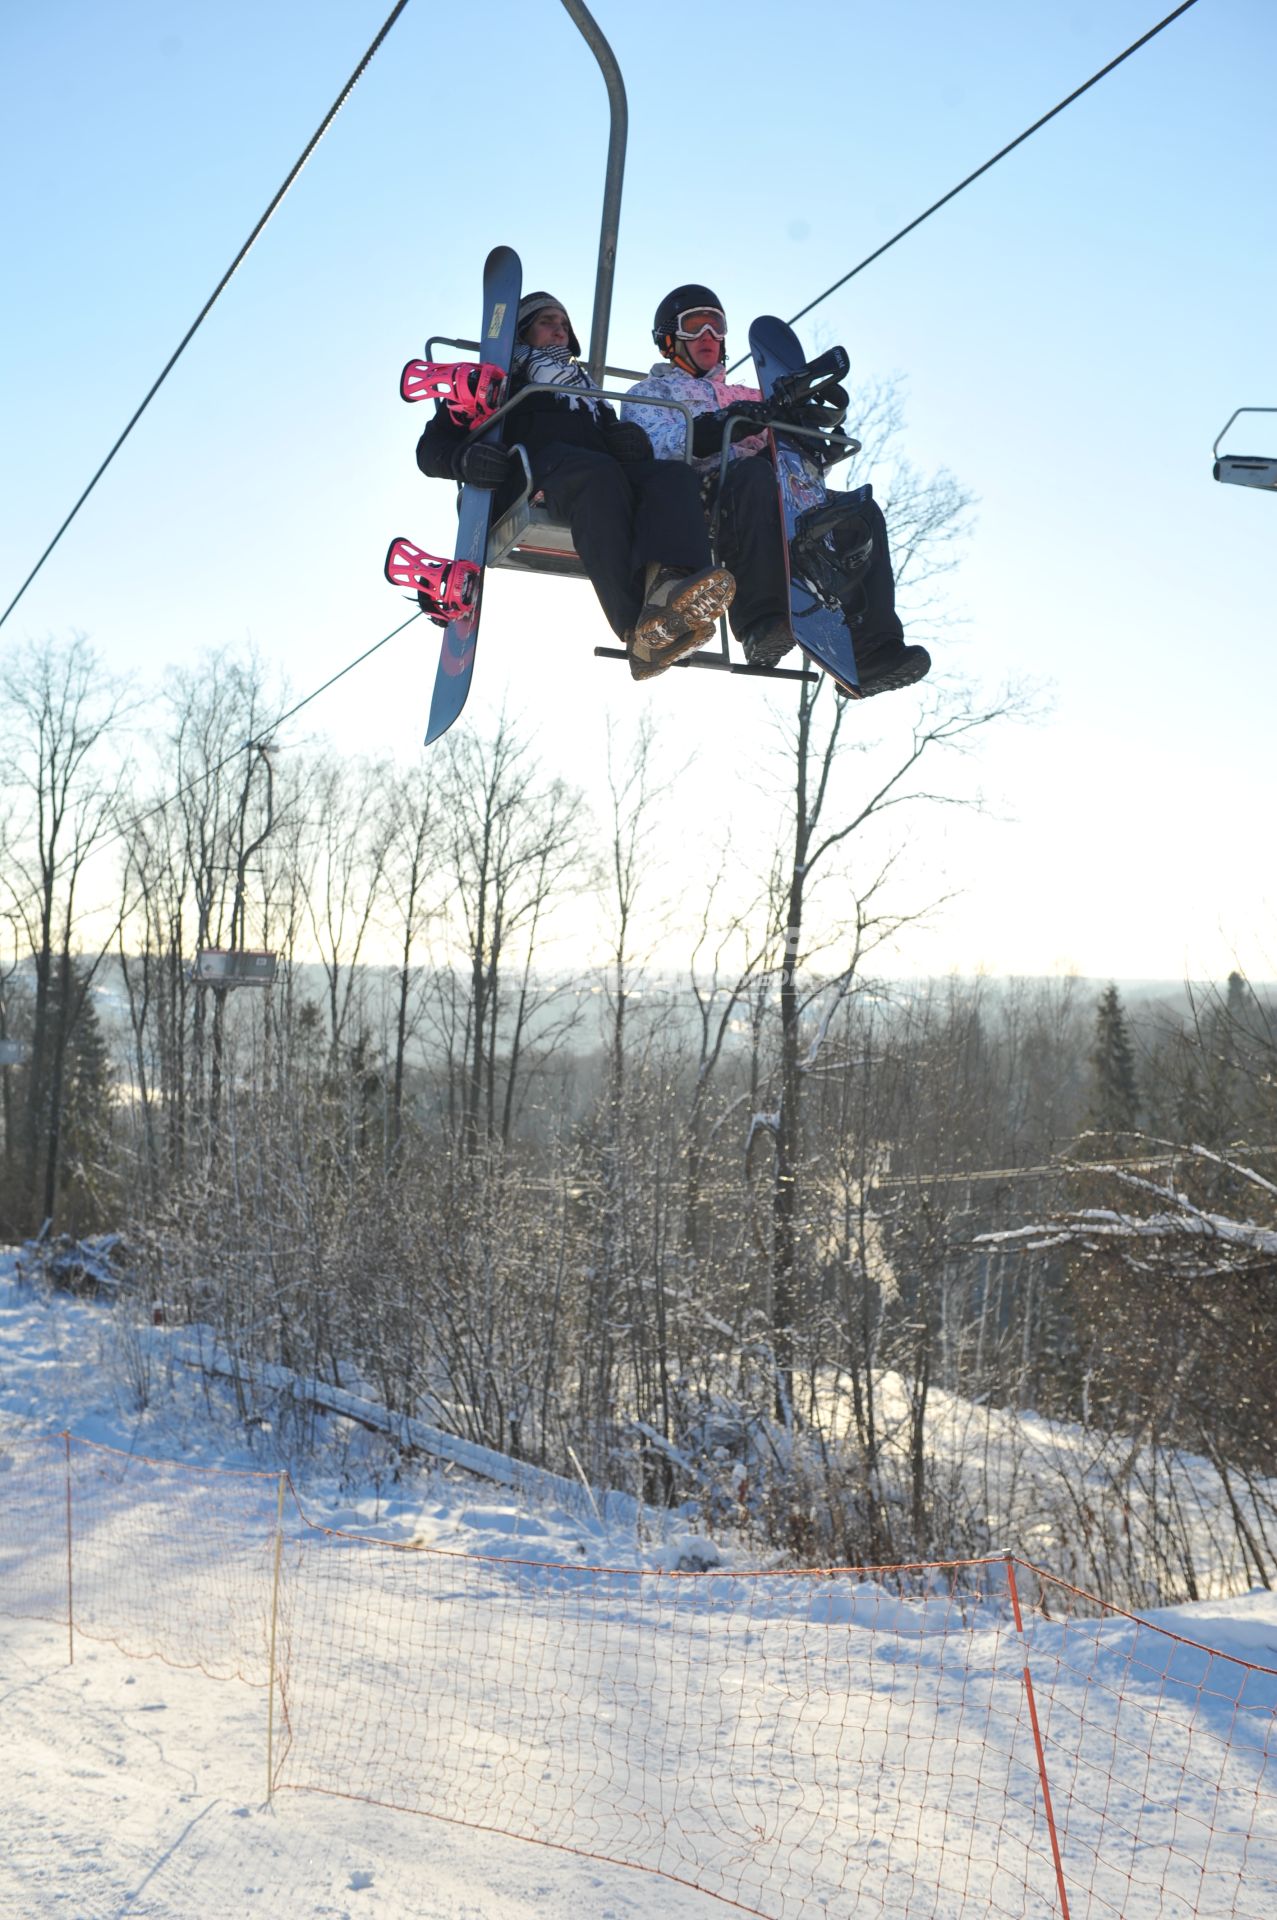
(832, 547)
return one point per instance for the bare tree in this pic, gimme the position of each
(822, 826)
(513, 840)
(626, 1285)
(719, 992)
(351, 829)
(927, 518)
(413, 857)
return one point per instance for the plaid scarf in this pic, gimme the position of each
(555, 367)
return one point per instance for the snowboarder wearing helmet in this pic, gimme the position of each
(636, 522)
(690, 330)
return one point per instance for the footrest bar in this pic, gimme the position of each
(715, 663)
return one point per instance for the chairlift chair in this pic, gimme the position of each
(230, 967)
(528, 539)
(1244, 469)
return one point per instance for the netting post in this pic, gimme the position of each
(66, 1436)
(274, 1620)
(1037, 1740)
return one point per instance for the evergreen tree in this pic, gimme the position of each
(1114, 1096)
(86, 1103)
(59, 1113)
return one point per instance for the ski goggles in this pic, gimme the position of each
(694, 321)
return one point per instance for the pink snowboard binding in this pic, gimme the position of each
(447, 588)
(469, 392)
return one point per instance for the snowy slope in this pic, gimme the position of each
(137, 1788)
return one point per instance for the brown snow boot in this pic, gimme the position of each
(679, 613)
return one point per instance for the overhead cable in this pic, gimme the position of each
(204, 311)
(202, 778)
(1000, 155)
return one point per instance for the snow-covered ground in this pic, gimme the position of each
(736, 1731)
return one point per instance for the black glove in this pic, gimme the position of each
(480, 464)
(626, 441)
(747, 416)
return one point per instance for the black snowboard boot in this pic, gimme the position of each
(885, 664)
(890, 669)
(769, 641)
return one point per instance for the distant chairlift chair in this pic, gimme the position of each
(224, 967)
(1245, 469)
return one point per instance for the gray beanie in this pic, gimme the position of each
(530, 306)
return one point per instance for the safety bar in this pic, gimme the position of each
(593, 393)
(846, 444)
(472, 346)
(1236, 416)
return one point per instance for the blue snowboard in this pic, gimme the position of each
(819, 629)
(502, 286)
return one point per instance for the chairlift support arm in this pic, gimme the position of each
(612, 182)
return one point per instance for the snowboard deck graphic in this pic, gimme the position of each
(450, 592)
(502, 286)
(819, 628)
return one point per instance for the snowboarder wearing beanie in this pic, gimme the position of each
(636, 522)
(690, 330)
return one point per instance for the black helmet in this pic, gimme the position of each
(665, 325)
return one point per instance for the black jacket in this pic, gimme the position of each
(543, 419)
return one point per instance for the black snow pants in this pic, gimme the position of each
(621, 517)
(750, 543)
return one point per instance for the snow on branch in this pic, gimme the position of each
(762, 1123)
(1243, 1173)
(1103, 1223)
(1172, 1214)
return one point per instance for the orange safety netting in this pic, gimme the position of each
(959, 1737)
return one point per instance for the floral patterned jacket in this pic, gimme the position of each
(699, 393)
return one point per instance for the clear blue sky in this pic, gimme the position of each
(1073, 331)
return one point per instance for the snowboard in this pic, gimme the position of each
(817, 570)
(450, 592)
